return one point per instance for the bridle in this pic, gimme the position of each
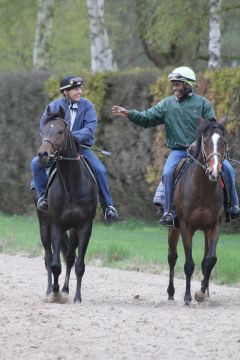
(206, 157)
(57, 150)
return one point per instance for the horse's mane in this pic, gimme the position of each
(211, 124)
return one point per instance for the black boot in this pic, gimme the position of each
(234, 213)
(42, 204)
(169, 220)
(110, 214)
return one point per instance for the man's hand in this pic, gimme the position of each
(120, 111)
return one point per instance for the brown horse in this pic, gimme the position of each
(198, 198)
(72, 202)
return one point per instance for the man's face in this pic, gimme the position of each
(74, 94)
(178, 89)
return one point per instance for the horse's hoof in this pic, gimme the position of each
(77, 300)
(65, 298)
(170, 297)
(200, 296)
(57, 297)
(187, 300)
(49, 290)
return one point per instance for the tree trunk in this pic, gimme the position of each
(43, 34)
(214, 46)
(101, 53)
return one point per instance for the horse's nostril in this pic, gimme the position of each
(43, 155)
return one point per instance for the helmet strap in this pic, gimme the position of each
(187, 89)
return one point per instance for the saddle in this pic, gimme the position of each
(53, 171)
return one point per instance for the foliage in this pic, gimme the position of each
(141, 32)
(176, 33)
(17, 23)
(223, 92)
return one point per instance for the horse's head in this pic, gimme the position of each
(213, 147)
(53, 135)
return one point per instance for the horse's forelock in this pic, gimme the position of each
(53, 116)
(211, 124)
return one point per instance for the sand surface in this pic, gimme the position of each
(123, 315)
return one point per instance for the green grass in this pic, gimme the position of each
(131, 245)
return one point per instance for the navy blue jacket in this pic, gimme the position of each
(85, 124)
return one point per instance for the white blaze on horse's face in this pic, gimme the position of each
(216, 158)
(214, 163)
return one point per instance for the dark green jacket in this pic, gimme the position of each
(180, 117)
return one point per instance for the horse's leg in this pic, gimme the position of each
(210, 261)
(70, 258)
(56, 236)
(84, 236)
(173, 236)
(189, 265)
(204, 257)
(45, 235)
(64, 245)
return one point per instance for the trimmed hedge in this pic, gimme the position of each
(137, 154)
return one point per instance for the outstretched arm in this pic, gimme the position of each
(120, 111)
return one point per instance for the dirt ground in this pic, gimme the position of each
(124, 315)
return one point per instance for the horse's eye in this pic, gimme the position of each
(60, 132)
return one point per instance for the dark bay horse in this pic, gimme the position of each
(198, 198)
(72, 202)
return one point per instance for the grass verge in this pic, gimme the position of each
(132, 245)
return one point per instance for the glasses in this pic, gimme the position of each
(76, 82)
(176, 76)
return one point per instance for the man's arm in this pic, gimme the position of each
(147, 118)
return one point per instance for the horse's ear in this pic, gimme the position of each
(61, 112)
(48, 110)
(202, 121)
(223, 120)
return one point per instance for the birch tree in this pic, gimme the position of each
(101, 53)
(214, 45)
(43, 34)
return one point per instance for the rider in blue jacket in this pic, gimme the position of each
(82, 119)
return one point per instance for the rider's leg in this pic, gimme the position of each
(105, 197)
(40, 179)
(229, 178)
(168, 180)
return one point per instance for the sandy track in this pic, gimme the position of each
(124, 315)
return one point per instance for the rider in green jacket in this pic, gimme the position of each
(180, 114)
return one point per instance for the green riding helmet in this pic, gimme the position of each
(183, 73)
